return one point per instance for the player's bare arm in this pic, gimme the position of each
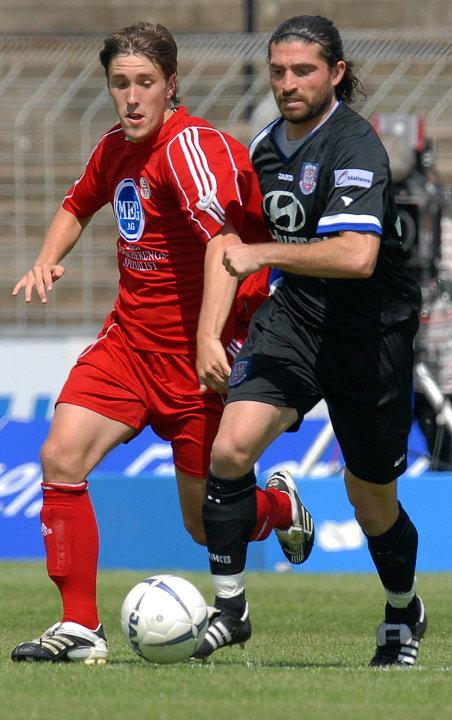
(218, 295)
(63, 233)
(347, 255)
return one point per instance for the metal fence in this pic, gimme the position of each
(55, 107)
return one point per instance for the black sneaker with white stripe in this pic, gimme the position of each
(224, 630)
(296, 541)
(64, 642)
(398, 644)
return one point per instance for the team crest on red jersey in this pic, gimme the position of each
(308, 178)
(145, 188)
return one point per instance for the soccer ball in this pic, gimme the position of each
(164, 618)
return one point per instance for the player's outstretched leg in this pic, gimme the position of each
(64, 642)
(296, 541)
(398, 643)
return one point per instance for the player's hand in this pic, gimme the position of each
(212, 366)
(41, 278)
(241, 260)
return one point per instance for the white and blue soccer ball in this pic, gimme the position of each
(164, 619)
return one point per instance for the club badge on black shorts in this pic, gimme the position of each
(240, 371)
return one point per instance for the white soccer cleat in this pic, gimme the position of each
(65, 642)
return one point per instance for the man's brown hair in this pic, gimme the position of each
(155, 42)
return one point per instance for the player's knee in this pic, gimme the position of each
(230, 457)
(58, 465)
(375, 514)
(49, 457)
(375, 504)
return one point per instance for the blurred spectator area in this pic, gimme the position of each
(55, 107)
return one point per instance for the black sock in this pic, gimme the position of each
(394, 554)
(408, 615)
(229, 514)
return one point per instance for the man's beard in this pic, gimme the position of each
(312, 111)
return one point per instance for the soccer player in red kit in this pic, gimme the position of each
(182, 192)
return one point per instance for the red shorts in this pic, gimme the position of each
(140, 388)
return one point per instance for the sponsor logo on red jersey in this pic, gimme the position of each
(128, 210)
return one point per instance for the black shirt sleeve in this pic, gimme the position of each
(358, 175)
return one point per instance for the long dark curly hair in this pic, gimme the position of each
(318, 29)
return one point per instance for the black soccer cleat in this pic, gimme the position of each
(398, 644)
(298, 540)
(64, 642)
(224, 630)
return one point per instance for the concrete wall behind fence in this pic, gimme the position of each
(70, 16)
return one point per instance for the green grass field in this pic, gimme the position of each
(313, 636)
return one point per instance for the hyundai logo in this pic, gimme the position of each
(284, 210)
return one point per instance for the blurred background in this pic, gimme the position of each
(55, 107)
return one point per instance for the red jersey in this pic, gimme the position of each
(170, 195)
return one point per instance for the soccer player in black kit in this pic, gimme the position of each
(340, 326)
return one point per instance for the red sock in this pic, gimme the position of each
(71, 541)
(274, 510)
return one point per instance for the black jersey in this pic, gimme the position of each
(337, 179)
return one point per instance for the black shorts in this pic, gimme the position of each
(366, 383)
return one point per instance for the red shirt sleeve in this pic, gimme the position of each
(206, 177)
(90, 192)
